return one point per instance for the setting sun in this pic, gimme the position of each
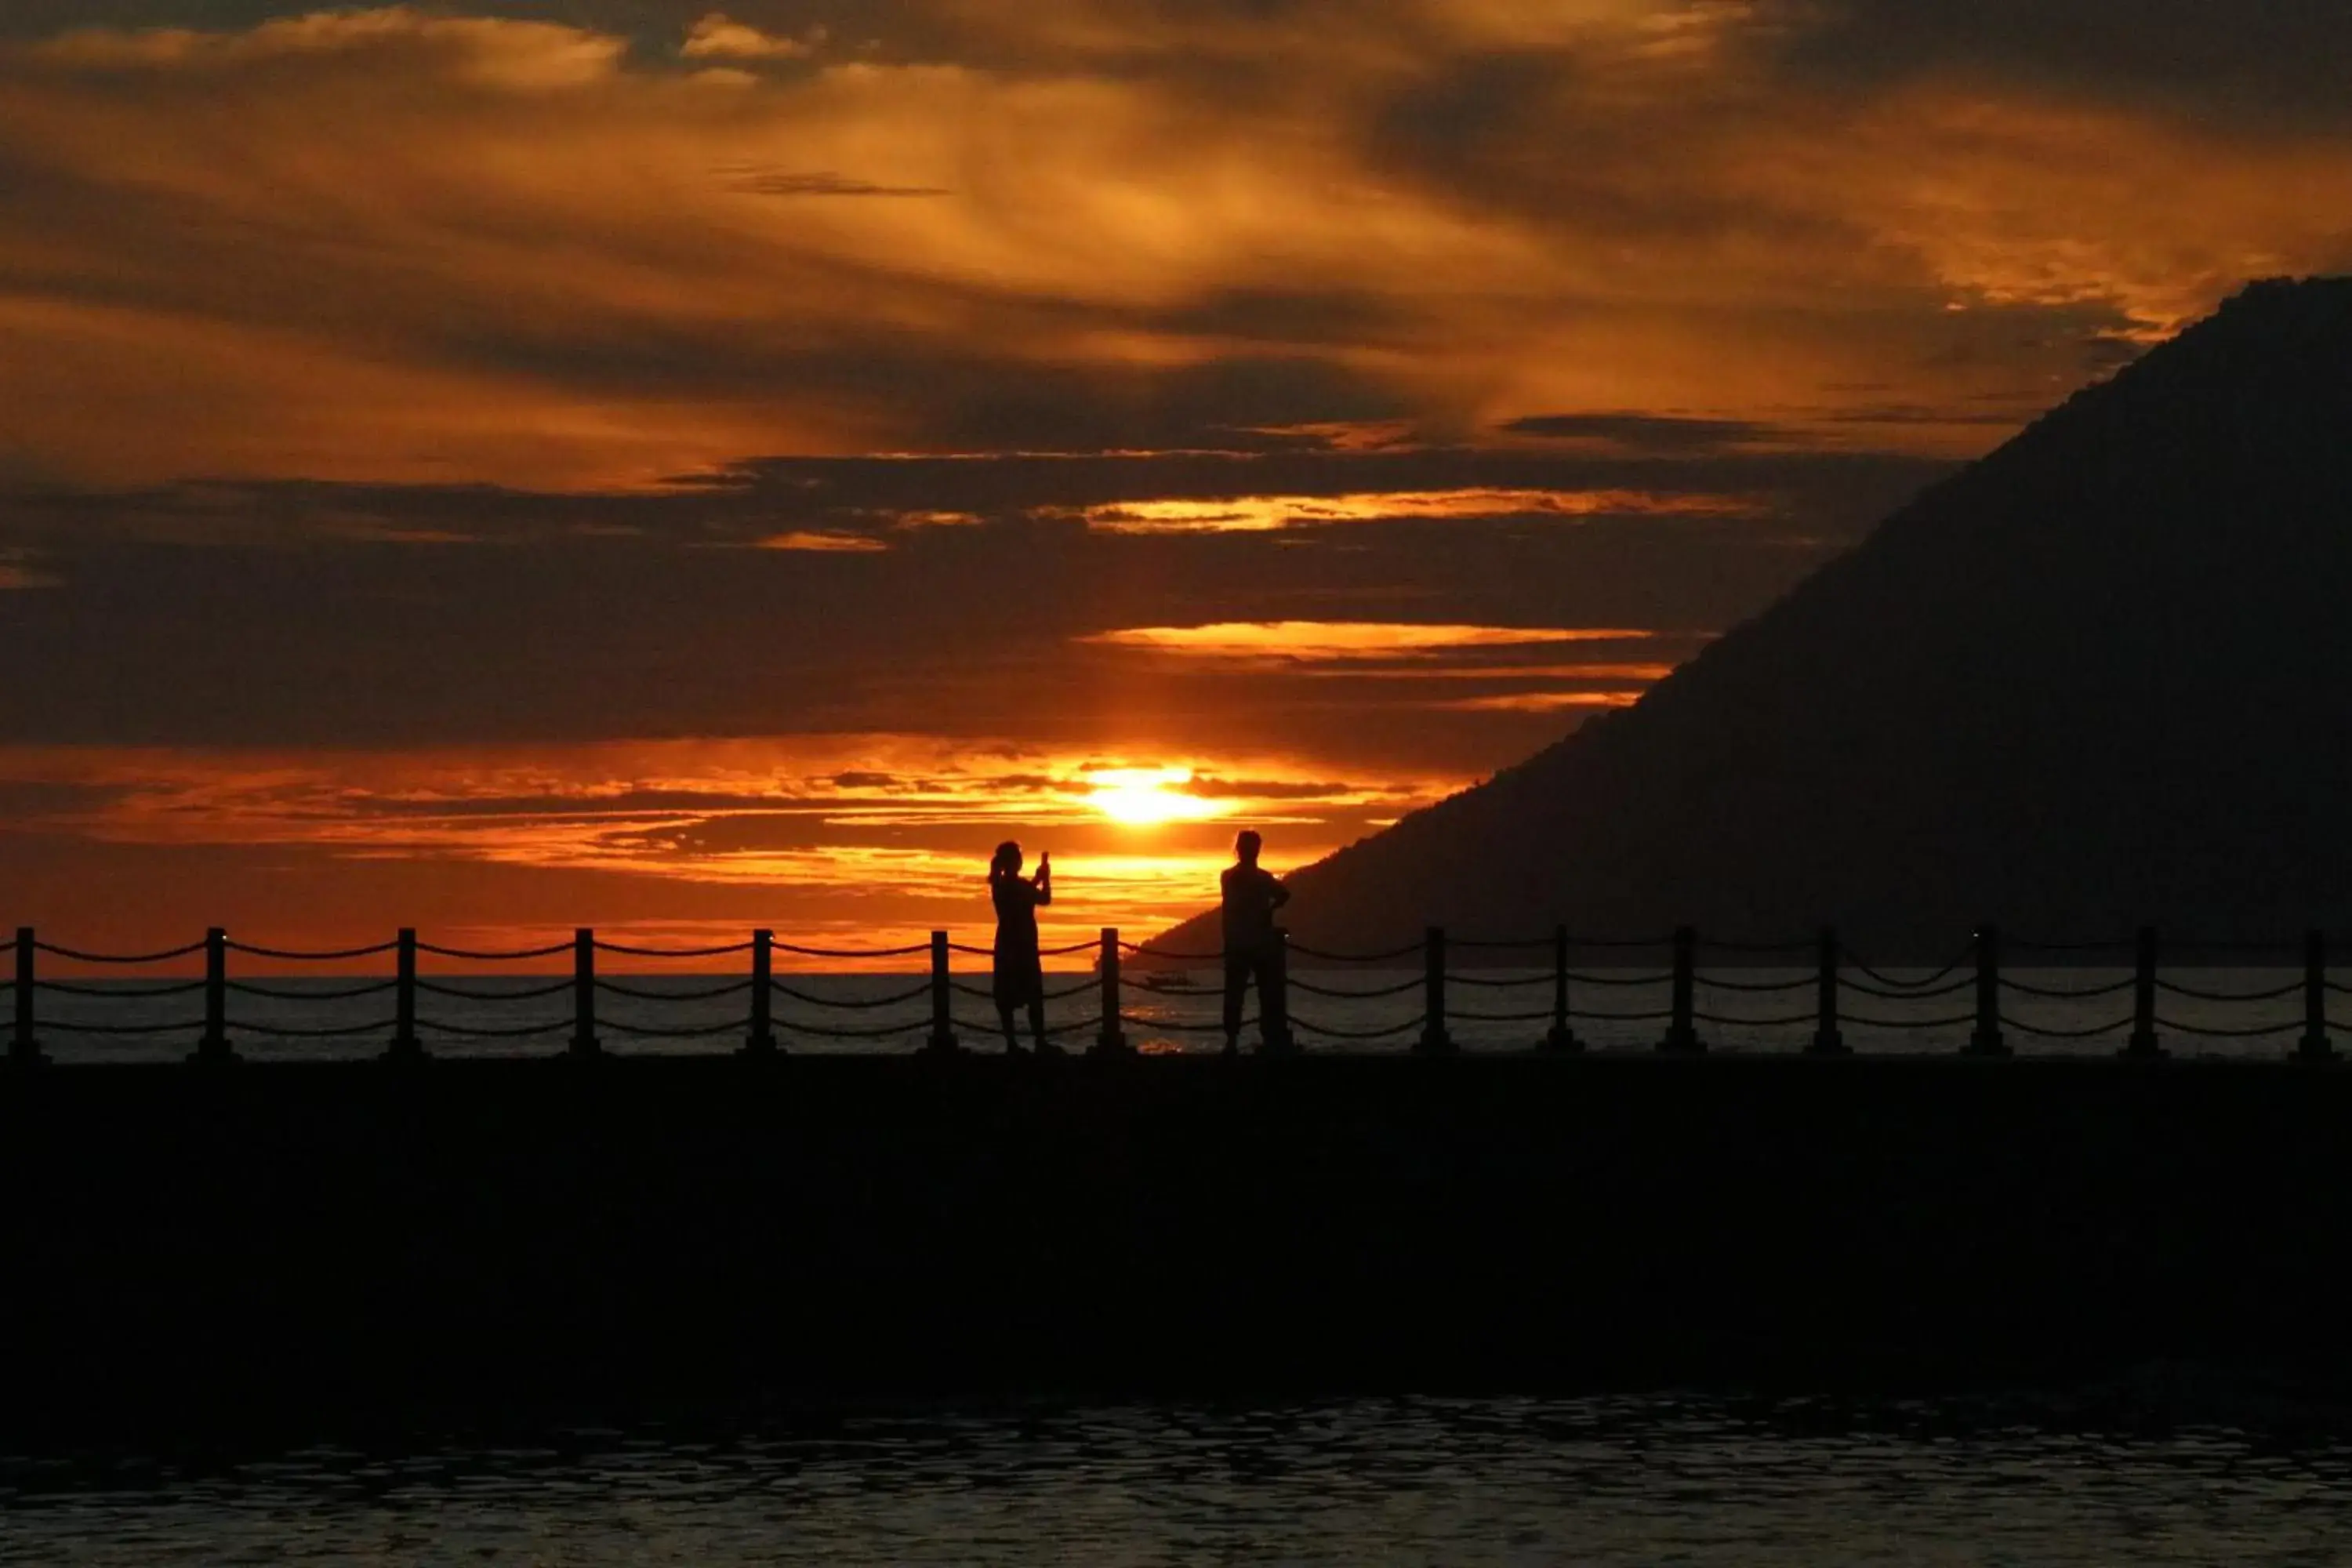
(1145, 797)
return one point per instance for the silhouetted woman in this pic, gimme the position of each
(1020, 971)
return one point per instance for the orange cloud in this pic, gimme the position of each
(718, 36)
(823, 542)
(1326, 640)
(1260, 514)
(486, 51)
(404, 243)
(2015, 199)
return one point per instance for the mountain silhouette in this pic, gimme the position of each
(2101, 678)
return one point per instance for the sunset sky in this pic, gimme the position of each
(495, 467)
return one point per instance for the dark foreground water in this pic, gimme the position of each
(2157, 1474)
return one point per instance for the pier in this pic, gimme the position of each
(590, 1230)
(325, 1246)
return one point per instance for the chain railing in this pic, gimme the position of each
(776, 1010)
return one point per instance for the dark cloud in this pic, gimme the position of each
(1852, 487)
(1268, 789)
(1647, 432)
(23, 798)
(1465, 110)
(819, 183)
(650, 20)
(1324, 316)
(1899, 414)
(254, 614)
(2258, 61)
(727, 834)
(39, 18)
(1221, 403)
(1028, 497)
(609, 806)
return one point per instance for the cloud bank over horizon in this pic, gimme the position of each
(560, 374)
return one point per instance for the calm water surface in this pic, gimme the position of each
(1649, 1480)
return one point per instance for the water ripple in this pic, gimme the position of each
(1468, 1482)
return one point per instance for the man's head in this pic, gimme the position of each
(1008, 859)
(1246, 845)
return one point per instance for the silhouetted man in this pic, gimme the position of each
(1019, 978)
(1252, 950)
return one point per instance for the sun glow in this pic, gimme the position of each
(1146, 797)
(1267, 514)
(867, 840)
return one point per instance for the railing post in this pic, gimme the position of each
(2316, 1047)
(1561, 1037)
(1986, 1041)
(214, 1047)
(1827, 1040)
(1112, 1039)
(942, 1041)
(760, 1039)
(2143, 1046)
(1275, 1038)
(405, 1045)
(1682, 1027)
(25, 1046)
(1434, 1041)
(584, 1042)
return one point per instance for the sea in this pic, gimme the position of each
(2239, 1013)
(2167, 1467)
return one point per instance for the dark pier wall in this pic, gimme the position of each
(347, 1243)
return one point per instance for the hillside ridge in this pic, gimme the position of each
(2093, 679)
